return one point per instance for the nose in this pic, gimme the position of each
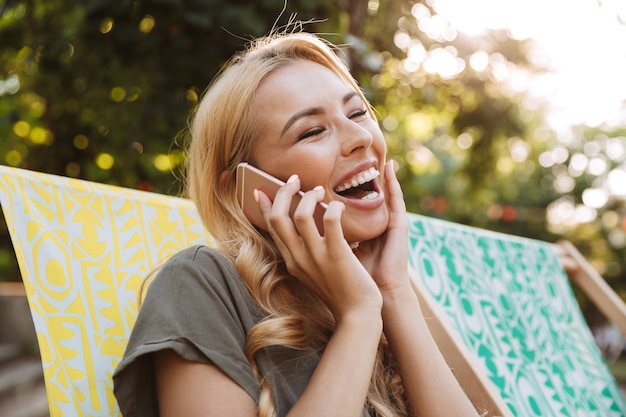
(354, 137)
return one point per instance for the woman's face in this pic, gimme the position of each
(312, 124)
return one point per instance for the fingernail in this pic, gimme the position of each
(319, 187)
(255, 193)
(292, 178)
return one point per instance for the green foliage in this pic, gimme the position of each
(470, 151)
(102, 90)
(107, 86)
(453, 136)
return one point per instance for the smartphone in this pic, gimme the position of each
(250, 178)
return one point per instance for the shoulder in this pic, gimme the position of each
(203, 275)
(198, 261)
(198, 306)
(201, 254)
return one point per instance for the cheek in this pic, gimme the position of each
(313, 168)
(312, 175)
(312, 171)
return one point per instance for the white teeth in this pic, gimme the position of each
(370, 196)
(361, 178)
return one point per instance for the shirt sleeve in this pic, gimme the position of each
(198, 307)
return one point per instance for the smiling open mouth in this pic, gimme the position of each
(361, 186)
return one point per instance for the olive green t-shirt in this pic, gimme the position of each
(198, 306)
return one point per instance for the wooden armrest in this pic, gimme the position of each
(592, 284)
(467, 370)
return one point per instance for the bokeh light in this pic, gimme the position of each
(104, 161)
(13, 157)
(617, 182)
(81, 142)
(41, 136)
(106, 25)
(9, 85)
(21, 128)
(595, 197)
(147, 24)
(118, 94)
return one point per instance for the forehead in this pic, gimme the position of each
(299, 82)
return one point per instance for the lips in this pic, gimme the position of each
(361, 186)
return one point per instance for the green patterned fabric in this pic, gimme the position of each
(512, 305)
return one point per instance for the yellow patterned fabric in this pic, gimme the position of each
(84, 250)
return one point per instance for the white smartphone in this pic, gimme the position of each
(250, 178)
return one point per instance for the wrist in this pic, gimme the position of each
(369, 317)
(403, 292)
(400, 300)
(398, 290)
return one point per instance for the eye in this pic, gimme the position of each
(357, 114)
(310, 133)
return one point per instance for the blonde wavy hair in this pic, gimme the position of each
(222, 132)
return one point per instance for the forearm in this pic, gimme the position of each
(430, 386)
(340, 382)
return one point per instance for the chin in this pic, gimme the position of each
(367, 229)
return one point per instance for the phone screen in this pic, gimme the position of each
(250, 178)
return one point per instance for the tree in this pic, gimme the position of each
(107, 86)
(101, 90)
(471, 149)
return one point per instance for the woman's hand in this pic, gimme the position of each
(325, 264)
(386, 257)
(419, 359)
(328, 267)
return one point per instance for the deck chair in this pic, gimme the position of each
(499, 306)
(83, 250)
(506, 319)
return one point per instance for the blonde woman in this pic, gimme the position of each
(290, 322)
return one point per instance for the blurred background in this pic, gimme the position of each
(505, 115)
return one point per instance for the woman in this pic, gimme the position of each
(290, 322)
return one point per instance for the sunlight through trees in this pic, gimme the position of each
(102, 90)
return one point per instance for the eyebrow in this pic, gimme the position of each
(313, 111)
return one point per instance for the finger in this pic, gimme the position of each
(265, 206)
(303, 216)
(396, 198)
(278, 217)
(333, 232)
(284, 195)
